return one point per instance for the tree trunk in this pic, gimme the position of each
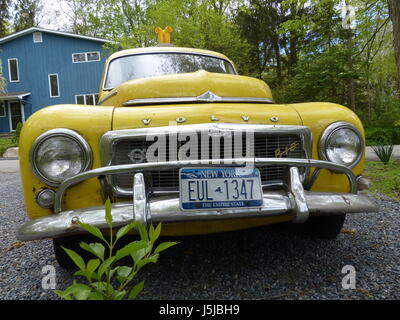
(394, 10)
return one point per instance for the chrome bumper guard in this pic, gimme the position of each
(294, 201)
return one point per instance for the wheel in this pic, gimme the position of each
(324, 227)
(72, 243)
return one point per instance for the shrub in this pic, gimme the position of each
(17, 133)
(99, 272)
(384, 153)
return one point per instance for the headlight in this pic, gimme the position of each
(341, 143)
(59, 154)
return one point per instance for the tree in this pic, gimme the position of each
(4, 16)
(27, 14)
(394, 10)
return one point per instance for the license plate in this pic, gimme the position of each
(219, 188)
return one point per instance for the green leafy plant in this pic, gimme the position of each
(384, 152)
(17, 133)
(100, 272)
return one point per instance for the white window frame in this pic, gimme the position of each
(9, 113)
(3, 107)
(58, 84)
(9, 69)
(40, 35)
(86, 57)
(84, 98)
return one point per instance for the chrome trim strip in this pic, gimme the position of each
(178, 164)
(206, 97)
(329, 131)
(110, 139)
(166, 209)
(107, 97)
(63, 133)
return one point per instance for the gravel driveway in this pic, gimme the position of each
(264, 263)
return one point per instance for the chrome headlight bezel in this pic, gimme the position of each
(327, 134)
(60, 132)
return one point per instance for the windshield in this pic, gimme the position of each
(157, 64)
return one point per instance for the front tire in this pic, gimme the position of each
(324, 227)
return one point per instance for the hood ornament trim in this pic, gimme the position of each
(206, 97)
(146, 121)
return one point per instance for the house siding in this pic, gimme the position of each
(51, 56)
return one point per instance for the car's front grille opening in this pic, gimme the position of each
(266, 145)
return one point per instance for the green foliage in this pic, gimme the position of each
(4, 16)
(384, 152)
(6, 143)
(27, 14)
(382, 135)
(100, 271)
(385, 178)
(17, 133)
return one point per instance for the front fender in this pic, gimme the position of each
(318, 116)
(91, 123)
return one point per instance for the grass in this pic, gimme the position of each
(384, 178)
(6, 143)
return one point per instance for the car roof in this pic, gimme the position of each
(166, 49)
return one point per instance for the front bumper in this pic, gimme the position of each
(292, 200)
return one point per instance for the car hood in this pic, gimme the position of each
(186, 85)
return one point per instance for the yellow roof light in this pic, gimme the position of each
(164, 36)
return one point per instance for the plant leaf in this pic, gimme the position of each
(156, 233)
(76, 258)
(123, 273)
(86, 274)
(93, 230)
(136, 290)
(125, 229)
(129, 248)
(108, 212)
(152, 259)
(95, 296)
(81, 291)
(119, 295)
(165, 245)
(137, 255)
(143, 232)
(100, 286)
(104, 266)
(63, 294)
(92, 265)
(96, 249)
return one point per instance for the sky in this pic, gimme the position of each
(49, 20)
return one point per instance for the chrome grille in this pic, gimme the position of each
(265, 146)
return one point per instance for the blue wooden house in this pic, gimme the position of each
(45, 67)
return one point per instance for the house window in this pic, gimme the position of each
(2, 109)
(53, 85)
(37, 37)
(85, 57)
(13, 71)
(89, 99)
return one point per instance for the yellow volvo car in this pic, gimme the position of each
(179, 137)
